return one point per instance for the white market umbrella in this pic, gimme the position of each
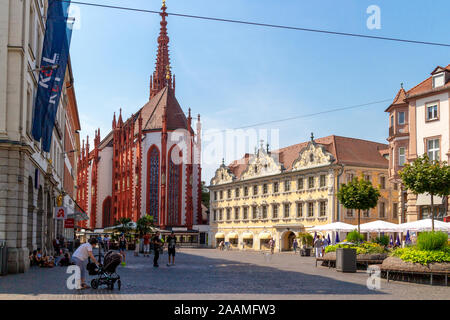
(424, 225)
(379, 226)
(335, 226)
(131, 224)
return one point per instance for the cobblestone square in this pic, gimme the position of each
(207, 274)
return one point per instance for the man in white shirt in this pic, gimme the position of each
(80, 258)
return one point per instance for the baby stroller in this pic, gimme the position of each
(106, 273)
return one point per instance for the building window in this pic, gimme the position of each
(299, 209)
(228, 214)
(383, 182)
(245, 213)
(215, 215)
(287, 186)
(215, 195)
(350, 177)
(382, 210)
(275, 187)
(275, 211)
(265, 188)
(367, 177)
(350, 213)
(264, 212)
(311, 209)
(323, 208)
(366, 213)
(229, 193)
(401, 156)
(255, 190)
(322, 180)
(311, 182)
(254, 212)
(395, 186)
(433, 149)
(438, 80)
(236, 192)
(287, 207)
(432, 112)
(236, 213)
(153, 183)
(401, 117)
(220, 214)
(395, 210)
(221, 194)
(300, 184)
(245, 191)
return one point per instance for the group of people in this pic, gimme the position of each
(158, 244)
(319, 246)
(37, 258)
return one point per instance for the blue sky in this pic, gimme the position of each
(236, 75)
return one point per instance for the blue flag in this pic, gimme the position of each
(55, 53)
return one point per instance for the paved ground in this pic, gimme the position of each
(212, 274)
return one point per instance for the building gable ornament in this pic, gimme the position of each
(313, 155)
(223, 175)
(261, 164)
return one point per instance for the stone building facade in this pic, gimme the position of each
(30, 179)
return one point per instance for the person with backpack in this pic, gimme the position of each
(156, 247)
(171, 244)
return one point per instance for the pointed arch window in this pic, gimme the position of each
(175, 177)
(153, 183)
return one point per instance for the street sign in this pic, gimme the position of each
(69, 223)
(60, 213)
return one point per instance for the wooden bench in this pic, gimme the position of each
(358, 261)
(430, 273)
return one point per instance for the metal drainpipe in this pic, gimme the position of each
(337, 190)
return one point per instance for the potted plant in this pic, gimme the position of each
(306, 240)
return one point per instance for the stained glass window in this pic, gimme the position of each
(174, 204)
(153, 182)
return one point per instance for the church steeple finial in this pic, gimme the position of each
(162, 75)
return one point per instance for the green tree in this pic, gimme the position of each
(425, 176)
(205, 195)
(124, 224)
(145, 224)
(358, 194)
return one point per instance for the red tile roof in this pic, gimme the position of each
(346, 151)
(426, 86)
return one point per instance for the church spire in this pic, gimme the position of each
(161, 76)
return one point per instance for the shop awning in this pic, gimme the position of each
(247, 236)
(233, 235)
(265, 236)
(220, 235)
(424, 199)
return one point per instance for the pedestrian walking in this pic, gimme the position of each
(146, 245)
(56, 247)
(272, 245)
(136, 248)
(318, 247)
(295, 245)
(171, 244)
(80, 258)
(324, 245)
(106, 243)
(156, 247)
(221, 245)
(123, 248)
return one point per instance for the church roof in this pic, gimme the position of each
(152, 112)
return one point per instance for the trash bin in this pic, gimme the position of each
(346, 260)
(3, 258)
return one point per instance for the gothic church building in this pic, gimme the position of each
(139, 168)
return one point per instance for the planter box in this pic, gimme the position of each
(346, 260)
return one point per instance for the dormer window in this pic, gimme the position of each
(438, 80)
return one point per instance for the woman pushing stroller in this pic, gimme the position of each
(80, 258)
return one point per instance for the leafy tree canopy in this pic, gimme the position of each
(358, 194)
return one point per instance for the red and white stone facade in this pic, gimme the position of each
(141, 166)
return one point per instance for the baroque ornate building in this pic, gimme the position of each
(147, 164)
(277, 194)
